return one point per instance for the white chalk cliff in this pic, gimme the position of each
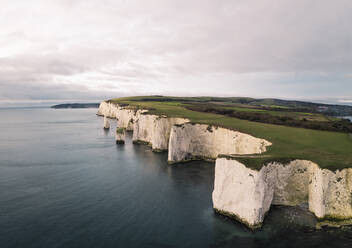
(155, 130)
(150, 129)
(106, 123)
(125, 116)
(191, 141)
(239, 191)
(246, 194)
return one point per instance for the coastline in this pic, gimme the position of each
(124, 115)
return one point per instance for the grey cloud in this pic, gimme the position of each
(74, 48)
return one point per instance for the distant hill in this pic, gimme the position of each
(76, 105)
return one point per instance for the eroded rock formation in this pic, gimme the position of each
(149, 129)
(192, 141)
(106, 123)
(126, 117)
(246, 194)
(155, 130)
(120, 135)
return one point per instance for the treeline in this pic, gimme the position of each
(342, 125)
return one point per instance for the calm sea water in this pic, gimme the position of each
(64, 183)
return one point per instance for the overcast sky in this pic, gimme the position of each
(97, 49)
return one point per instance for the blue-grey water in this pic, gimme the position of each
(65, 183)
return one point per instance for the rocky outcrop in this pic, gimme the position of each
(154, 130)
(126, 117)
(106, 123)
(120, 135)
(149, 129)
(192, 141)
(291, 181)
(246, 194)
(241, 193)
(108, 109)
(330, 194)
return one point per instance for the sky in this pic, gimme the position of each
(99, 49)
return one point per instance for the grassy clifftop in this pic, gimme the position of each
(332, 150)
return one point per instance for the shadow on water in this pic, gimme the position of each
(106, 131)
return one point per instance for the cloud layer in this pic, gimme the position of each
(70, 49)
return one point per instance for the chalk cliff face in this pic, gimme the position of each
(241, 193)
(330, 194)
(247, 194)
(184, 140)
(290, 181)
(125, 117)
(150, 129)
(108, 109)
(189, 141)
(106, 123)
(155, 130)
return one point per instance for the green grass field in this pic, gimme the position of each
(294, 115)
(330, 150)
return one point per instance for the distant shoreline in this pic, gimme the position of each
(75, 105)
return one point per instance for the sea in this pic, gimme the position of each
(65, 183)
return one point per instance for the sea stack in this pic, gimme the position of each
(120, 135)
(246, 192)
(106, 123)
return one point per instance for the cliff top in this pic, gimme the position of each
(329, 149)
